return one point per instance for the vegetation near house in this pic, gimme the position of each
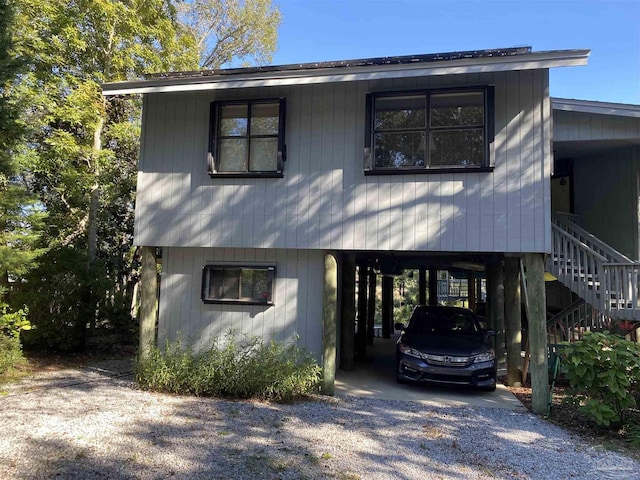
(604, 373)
(70, 155)
(238, 369)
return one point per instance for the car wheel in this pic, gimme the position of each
(491, 388)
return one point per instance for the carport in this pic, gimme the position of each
(376, 379)
(363, 358)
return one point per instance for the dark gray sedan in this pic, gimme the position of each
(445, 345)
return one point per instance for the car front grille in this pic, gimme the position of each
(448, 361)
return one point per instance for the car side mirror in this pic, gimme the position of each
(399, 326)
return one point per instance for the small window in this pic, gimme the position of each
(238, 284)
(418, 132)
(247, 138)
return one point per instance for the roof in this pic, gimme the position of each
(476, 61)
(599, 108)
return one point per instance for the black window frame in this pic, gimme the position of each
(213, 159)
(488, 127)
(206, 279)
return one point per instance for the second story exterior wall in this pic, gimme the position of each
(324, 200)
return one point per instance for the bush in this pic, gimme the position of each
(247, 369)
(603, 371)
(10, 356)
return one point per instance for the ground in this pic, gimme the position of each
(571, 419)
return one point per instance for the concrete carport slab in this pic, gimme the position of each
(376, 379)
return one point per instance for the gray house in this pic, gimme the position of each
(278, 194)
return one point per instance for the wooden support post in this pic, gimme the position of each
(329, 324)
(422, 286)
(495, 306)
(387, 306)
(148, 300)
(471, 289)
(537, 333)
(513, 318)
(371, 307)
(348, 312)
(361, 336)
(433, 285)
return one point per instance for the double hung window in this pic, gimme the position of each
(421, 131)
(238, 284)
(247, 138)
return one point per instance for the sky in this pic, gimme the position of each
(323, 30)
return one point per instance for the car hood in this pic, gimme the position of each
(460, 345)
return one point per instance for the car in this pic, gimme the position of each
(445, 345)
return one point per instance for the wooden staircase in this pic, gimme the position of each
(604, 278)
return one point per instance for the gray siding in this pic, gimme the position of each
(325, 201)
(568, 126)
(606, 197)
(297, 296)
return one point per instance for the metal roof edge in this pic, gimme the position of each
(528, 61)
(596, 107)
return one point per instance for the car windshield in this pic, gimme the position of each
(443, 323)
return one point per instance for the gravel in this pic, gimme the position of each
(93, 423)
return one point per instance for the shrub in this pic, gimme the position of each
(246, 369)
(603, 372)
(10, 356)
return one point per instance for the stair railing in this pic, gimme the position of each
(578, 266)
(568, 223)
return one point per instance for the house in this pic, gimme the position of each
(278, 194)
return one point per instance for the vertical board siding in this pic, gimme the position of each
(574, 126)
(606, 197)
(324, 200)
(297, 311)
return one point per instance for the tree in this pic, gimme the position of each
(20, 217)
(80, 144)
(80, 149)
(227, 31)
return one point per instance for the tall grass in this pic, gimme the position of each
(234, 369)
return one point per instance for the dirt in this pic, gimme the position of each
(570, 418)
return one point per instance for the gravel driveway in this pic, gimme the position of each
(93, 423)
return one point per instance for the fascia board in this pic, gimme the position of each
(598, 108)
(533, 61)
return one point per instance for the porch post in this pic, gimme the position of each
(537, 333)
(371, 305)
(148, 300)
(387, 306)
(422, 286)
(512, 305)
(495, 305)
(433, 285)
(361, 338)
(348, 312)
(471, 289)
(329, 323)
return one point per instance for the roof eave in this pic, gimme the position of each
(598, 108)
(537, 60)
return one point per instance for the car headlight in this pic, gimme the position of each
(407, 350)
(485, 357)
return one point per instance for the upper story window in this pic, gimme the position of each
(247, 138)
(424, 131)
(238, 284)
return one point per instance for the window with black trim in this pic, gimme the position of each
(238, 284)
(422, 131)
(247, 138)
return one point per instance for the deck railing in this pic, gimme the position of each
(602, 276)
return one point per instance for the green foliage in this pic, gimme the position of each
(247, 369)
(231, 31)
(603, 370)
(10, 356)
(12, 323)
